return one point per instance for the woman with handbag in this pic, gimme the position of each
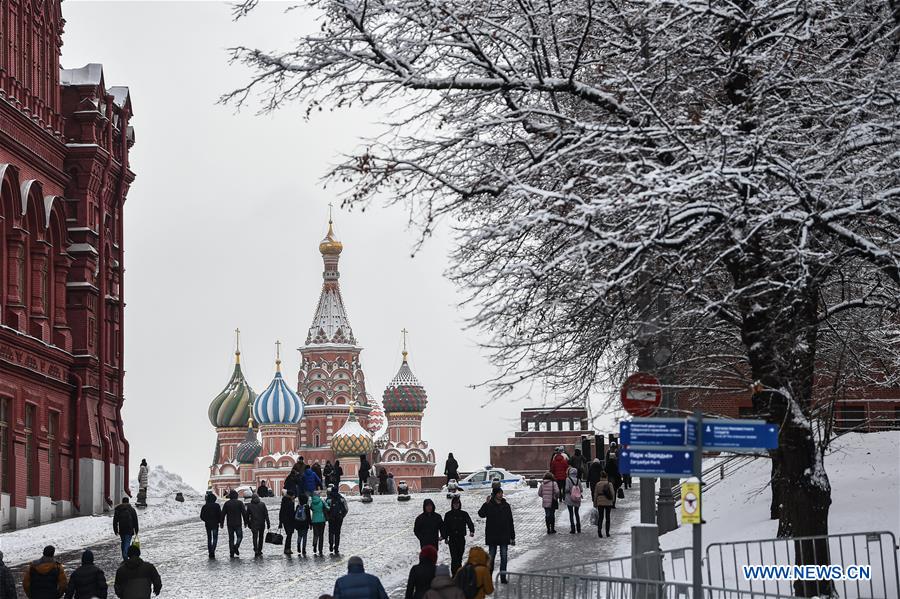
(548, 491)
(604, 496)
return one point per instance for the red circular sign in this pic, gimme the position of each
(641, 394)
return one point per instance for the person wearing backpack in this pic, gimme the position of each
(456, 523)
(336, 508)
(286, 520)
(549, 494)
(573, 500)
(428, 526)
(302, 518)
(499, 532)
(603, 500)
(125, 524)
(211, 515)
(474, 579)
(317, 509)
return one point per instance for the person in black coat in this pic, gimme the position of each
(8, 582)
(428, 526)
(125, 524)
(258, 518)
(263, 489)
(451, 468)
(456, 523)
(337, 473)
(321, 474)
(612, 468)
(593, 476)
(234, 515)
(286, 520)
(87, 581)
(421, 575)
(364, 470)
(325, 474)
(382, 482)
(577, 462)
(211, 514)
(499, 531)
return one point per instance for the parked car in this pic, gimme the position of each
(485, 477)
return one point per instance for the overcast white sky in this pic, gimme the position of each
(222, 231)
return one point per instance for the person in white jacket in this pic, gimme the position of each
(143, 479)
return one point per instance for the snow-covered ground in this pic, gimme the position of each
(163, 483)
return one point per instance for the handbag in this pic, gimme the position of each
(274, 538)
(554, 505)
(136, 542)
(620, 493)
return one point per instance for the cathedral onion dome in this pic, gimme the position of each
(249, 449)
(404, 393)
(278, 404)
(376, 422)
(231, 407)
(330, 246)
(351, 439)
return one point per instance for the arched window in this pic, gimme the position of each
(317, 439)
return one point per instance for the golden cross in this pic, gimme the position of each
(404, 331)
(278, 351)
(237, 340)
(329, 213)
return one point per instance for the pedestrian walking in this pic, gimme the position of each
(258, 519)
(593, 475)
(443, 587)
(382, 482)
(211, 514)
(8, 581)
(87, 581)
(317, 509)
(421, 574)
(234, 516)
(357, 583)
(135, 578)
(337, 474)
(604, 501)
(428, 525)
(577, 461)
(612, 469)
(474, 579)
(499, 531)
(336, 509)
(45, 578)
(364, 470)
(263, 489)
(573, 500)
(125, 524)
(559, 467)
(626, 481)
(302, 521)
(548, 491)
(451, 468)
(326, 472)
(286, 520)
(311, 481)
(456, 523)
(293, 481)
(391, 485)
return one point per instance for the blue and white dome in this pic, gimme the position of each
(278, 404)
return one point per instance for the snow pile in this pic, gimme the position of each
(163, 483)
(862, 469)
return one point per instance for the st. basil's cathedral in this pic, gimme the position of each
(330, 417)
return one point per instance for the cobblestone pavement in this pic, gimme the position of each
(380, 532)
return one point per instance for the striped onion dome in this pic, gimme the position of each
(404, 393)
(231, 407)
(250, 448)
(377, 421)
(278, 404)
(351, 439)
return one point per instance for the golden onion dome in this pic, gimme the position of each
(330, 246)
(352, 439)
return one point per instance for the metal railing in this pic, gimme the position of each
(878, 550)
(717, 472)
(573, 586)
(674, 564)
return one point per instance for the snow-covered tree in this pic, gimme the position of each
(735, 161)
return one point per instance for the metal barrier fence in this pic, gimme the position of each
(573, 586)
(674, 564)
(878, 550)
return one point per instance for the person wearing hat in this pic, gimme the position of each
(421, 575)
(456, 523)
(125, 524)
(45, 578)
(443, 587)
(135, 578)
(357, 583)
(499, 531)
(559, 467)
(87, 581)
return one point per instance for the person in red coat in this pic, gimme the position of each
(559, 468)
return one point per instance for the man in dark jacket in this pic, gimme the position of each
(364, 471)
(125, 524)
(45, 578)
(335, 512)
(357, 584)
(286, 520)
(234, 515)
(382, 482)
(262, 490)
(258, 518)
(88, 581)
(428, 526)
(421, 575)
(7, 581)
(135, 578)
(451, 468)
(593, 476)
(211, 514)
(498, 529)
(577, 462)
(456, 523)
(612, 468)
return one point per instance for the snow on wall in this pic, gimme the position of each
(164, 484)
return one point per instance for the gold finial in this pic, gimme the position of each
(330, 245)
(278, 355)
(237, 346)
(250, 422)
(405, 353)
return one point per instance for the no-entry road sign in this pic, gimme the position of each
(656, 462)
(641, 394)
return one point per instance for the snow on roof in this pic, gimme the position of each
(119, 94)
(89, 74)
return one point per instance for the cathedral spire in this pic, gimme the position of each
(330, 324)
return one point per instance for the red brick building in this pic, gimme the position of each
(64, 175)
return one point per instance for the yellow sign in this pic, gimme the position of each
(690, 501)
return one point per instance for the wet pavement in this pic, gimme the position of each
(380, 532)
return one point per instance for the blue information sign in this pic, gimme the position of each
(739, 434)
(656, 462)
(657, 432)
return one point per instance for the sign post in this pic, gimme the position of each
(698, 535)
(690, 501)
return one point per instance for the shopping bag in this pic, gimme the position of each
(274, 538)
(595, 516)
(136, 542)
